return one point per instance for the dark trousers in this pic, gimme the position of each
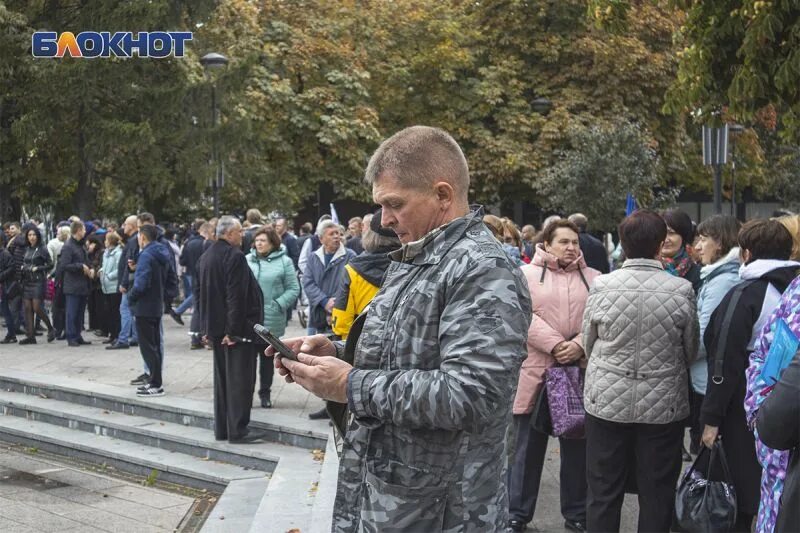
(695, 426)
(9, 316)
(525, 474)
(234, 383)
(76, 308)
(59, 311)
(95, 307)
(266, 371)
(110, 318)
(149, 329)
(657, 450)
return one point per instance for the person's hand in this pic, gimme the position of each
(568, 352)
(205, 340)
(227, 341)
(324, 377)
(709, 437)
(315, 345)
(86, 270)
(123, 290)
(329, 305)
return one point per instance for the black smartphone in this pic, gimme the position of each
(275, 342)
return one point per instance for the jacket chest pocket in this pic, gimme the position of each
(388, 507)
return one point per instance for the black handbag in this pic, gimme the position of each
(540, 416)
(703, 505)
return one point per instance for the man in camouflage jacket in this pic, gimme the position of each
(437, 359)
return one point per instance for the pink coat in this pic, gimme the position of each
(559, 299)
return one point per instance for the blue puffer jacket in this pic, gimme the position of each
(276, 277)
(146, 296)
(717, 279)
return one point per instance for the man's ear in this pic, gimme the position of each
(444, 193)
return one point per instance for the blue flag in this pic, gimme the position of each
(630, 205)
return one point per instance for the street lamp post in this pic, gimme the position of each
(734, 129)
(211, 61)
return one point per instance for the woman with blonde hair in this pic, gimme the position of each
(792, 223)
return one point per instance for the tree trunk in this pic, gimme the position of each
(85, 198)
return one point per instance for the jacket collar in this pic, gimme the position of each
(761, 267)
(548, 260)
(731, 258)
(320, 252)
(434, 246)
(274, 254)
(643, 264)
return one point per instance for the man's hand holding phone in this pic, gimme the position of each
(317, 368)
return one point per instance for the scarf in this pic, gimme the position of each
(678, 265)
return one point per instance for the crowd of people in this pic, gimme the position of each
(438, 326)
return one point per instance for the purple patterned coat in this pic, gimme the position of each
(774, 462)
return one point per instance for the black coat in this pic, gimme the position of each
(292, 248)
(594, 252)
(229, 296)
(7, 267)
(70, 264)
(723, 405)
(778, 426)
(190, 255)
(131, 251)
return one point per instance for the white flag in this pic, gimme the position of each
(334, 215)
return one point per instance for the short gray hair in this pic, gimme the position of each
(580, 220)
(225, 224)
(372, 242)
(419, 156)
(325, 225)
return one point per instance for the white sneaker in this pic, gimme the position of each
(150, 391)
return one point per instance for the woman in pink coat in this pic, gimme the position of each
(559, 281)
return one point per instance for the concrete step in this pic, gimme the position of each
(291, 497)
(127, 456)
(169, 436)
(322, 511)
(292, 431)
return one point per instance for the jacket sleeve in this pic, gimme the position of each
(290, 284)
(542, 336)
(292, 251)
(141, 278)
(313, 291)
(691, 336)
(736, 358)
(184, 257)
(305, 252)
(48, 260)
(6, 266)
(589, 330)
(237, 274)
(344, 310)
(778, 420)
(481, 342)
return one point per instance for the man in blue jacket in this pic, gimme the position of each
(146, 298)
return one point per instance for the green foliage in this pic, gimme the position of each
(314, 85)
(604, 164)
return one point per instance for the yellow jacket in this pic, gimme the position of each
(360, 285)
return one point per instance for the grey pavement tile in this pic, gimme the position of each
(163, 518)
(84, 479)
(36, 518)
(113, 523)
(149, 497)
(77, 495)
(44, 500)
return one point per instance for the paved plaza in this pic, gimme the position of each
(84, 503)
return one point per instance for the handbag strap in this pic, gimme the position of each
(719, 452)
(583, 278)
(722, 346)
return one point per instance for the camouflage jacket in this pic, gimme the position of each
(436, 368)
